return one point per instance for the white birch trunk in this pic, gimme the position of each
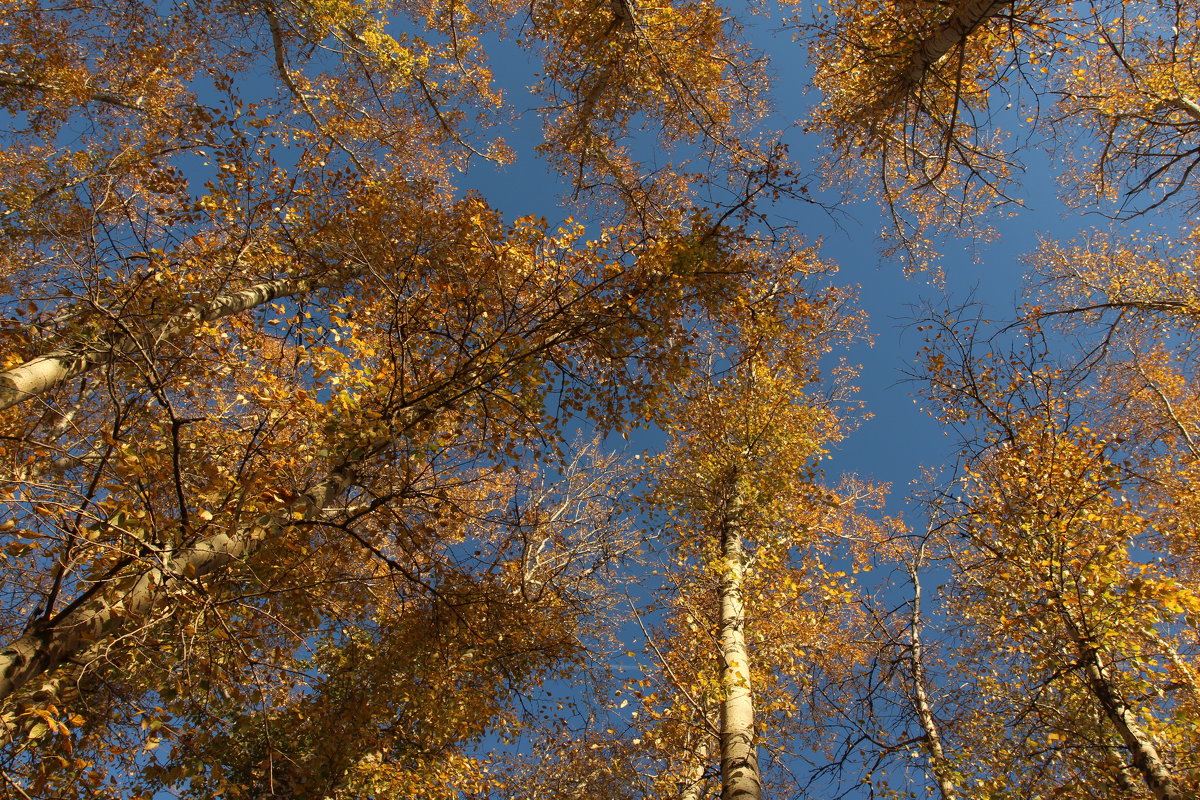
(1142, 752)
(967, 17)
(129, 599)
(1188, 106)
(693, 777)
(933, 739)
(43, 373)
(1187, 678)
(99, 617)
(1144, 755)
(739, 758)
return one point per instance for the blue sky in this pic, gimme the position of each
(899, 438)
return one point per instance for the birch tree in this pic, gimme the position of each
(738, 492)
(399, 694)
(930, 107)
(1054, 536)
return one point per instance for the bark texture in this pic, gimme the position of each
(1144, 755)
(127, 600)
(110, 606)
(43, 373)
(692, 787)
(966, 19)
(933, 738)
(739, 757)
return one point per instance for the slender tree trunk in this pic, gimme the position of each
(110, 606)
(43, 373)
(1124, 780)
(52, 642)
(1141, 748)
(933, 738)
(1188, 106)
(966, 18)
(739, 758)
(693, 778)
(1188, 679)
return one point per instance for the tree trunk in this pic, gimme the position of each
(1142, 751)
(693, 779)
(106, 609)
(53, 642)
(739, 759)
(967, 17)
(933, 738)
(1188, 106)
(1187, 678)
(43, 373)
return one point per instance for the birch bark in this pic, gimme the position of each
(967, 18)
(17, 80)
(739, 758)
(45, 372)
(109, 606)
(933, 739)
(1143, 753)
(99, 616)
(693, 780)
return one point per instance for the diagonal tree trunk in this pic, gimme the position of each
(45, 372)
(965, 20)
(107, 610)
(110, 606)
(739, 758)
(1142, 752)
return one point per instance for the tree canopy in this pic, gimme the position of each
(309, 473)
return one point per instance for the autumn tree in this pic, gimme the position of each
(262, 354)
(752, 529)
(929, 106)
(213, 493)
(1054, 529)
(1057, 531)
(886, 718)
(402, 689)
